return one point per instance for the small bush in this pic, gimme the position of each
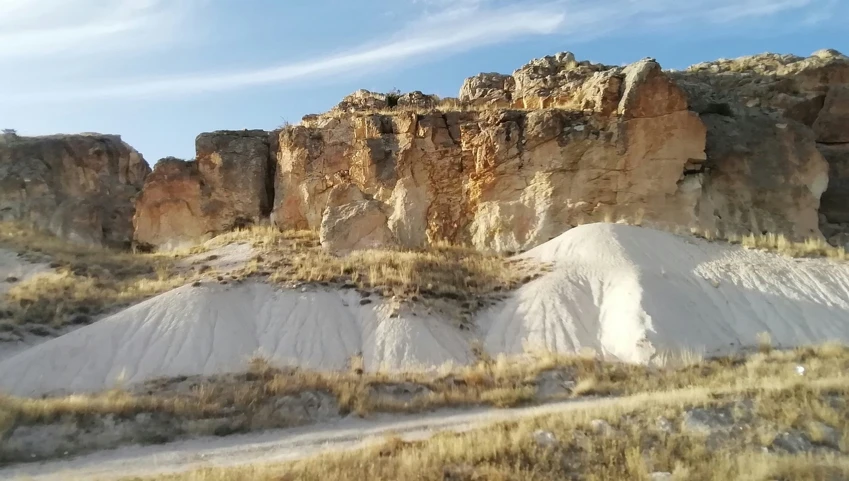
(392, 98)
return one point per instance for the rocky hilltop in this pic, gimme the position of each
(752, 145)
(757, 144)
(80, 187)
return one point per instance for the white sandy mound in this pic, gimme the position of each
(213, 329)
(625, 292)
(630, 293)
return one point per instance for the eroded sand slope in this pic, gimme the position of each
(624, 291)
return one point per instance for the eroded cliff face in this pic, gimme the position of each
(589, 143)
(80, 187)
(732, 147)
(227, 186)
(809, 97)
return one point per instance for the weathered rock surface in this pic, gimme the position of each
(355, 226)
(812, 91)
(750, 145)
(228, 186)
(79, 187)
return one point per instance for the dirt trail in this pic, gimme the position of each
(273, 446)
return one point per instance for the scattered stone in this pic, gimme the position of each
(706, 421)
(825, 435)
(792, 442)
(364, 302)
(39, 330)
(554, 382)
(664, 425)
(79, 320)
(599, 426)
(545, 439)
(403, 393)
(661, 476)
(12, 279)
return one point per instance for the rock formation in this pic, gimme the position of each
(810, 99)
(227, 186)
(79, 187)
(737, 146)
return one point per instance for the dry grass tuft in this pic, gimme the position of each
(440, 271)
(779, 243)
(86, 281)
(501, 382)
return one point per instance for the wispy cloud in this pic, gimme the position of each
(451, 30)
(443, 27)
(39, 28)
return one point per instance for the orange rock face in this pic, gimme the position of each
(226, 187)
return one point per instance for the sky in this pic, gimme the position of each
(159, 72)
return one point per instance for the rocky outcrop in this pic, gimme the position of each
(79, 187)
(750, 145)
(227, 186)
(812, 91)
(628, 145)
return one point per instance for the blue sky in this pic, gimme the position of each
(159, 72)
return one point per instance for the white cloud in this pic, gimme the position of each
(450, 30)
(39, 28)
(448, 26)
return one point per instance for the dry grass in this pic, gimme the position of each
(442, 271)
(89, 281)
(779, 243)
(500, 382)
(637, 447)
(770, 242)
(86, 281)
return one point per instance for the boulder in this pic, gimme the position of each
(81, 188)
(488, 88)
(355, 226)
(170, 212)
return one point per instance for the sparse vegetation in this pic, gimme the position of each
(502, 382)
(86, 281)
(444, 271)
(392, 98)
(632, 437)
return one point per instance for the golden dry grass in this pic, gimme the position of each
(501, 382)
(86, 281)
(443, 271)
(637, 447)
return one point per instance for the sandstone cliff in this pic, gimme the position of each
(227, 186)
(731, 146)
(79, 187)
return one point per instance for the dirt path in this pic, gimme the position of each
(272, 446)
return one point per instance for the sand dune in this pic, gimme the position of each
(623, 291)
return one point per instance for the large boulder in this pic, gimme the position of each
(79, 187)
(488, 89)
(228, 186)
(355, 226)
